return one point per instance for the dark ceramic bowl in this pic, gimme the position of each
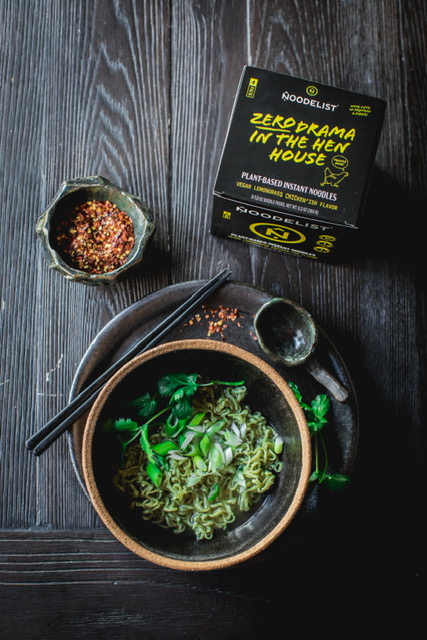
(267, 392)
(72, 193)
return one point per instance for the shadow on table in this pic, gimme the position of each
(389, 225)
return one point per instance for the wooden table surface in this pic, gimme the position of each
(141, 93)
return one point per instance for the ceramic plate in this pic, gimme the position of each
(227, 315)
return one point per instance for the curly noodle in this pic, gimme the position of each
(177, 503)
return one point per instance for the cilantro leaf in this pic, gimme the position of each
(182, 409)
(109, 425)
(316, 475)
(316, 416)
(320, 407)
(125, 425)
(145, 405)
(296, 391)
(177, 384)
(336, 481)
(297, 394)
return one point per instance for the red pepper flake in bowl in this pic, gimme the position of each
(96, 237)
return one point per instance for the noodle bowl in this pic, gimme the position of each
(259, 490)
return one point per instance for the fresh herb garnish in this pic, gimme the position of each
(180, 388)
(316, 415)
(145, 405)
(173, 403)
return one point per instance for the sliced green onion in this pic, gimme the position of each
(154, 473)
(196, 429)
(217, 426)
(228, 453)
(162, 448)
(194, 479)
(216, 457)
(232, 439)
(194, 450)
(205, 444)
(174, 426)
(239, 480)
(236, 429)
(213, 492)
(200, 463)
(184, 440)
(196, 420)
(176, 455)
(278, 445)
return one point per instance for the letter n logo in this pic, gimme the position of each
(277, 233)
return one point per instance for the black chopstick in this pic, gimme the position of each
(43, 438)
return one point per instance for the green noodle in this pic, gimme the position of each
(211, 496)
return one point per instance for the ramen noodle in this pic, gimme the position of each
(219, 468)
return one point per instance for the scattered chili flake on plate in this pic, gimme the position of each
(218, 319)
(95, 237)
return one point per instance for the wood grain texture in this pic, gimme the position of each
(85, 585)
(205, 74)
(141, 92)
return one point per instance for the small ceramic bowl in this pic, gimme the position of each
(73, 193)
(252, 531)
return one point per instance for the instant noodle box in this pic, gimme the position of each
(296, 164)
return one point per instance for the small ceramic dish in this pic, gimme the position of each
(253, 530)
(78, 192)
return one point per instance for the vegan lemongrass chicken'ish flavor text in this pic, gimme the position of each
(196, 456)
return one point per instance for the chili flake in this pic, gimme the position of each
(96, 237)
(218, 319)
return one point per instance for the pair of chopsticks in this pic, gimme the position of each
(42, 439)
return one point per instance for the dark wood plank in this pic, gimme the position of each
(208, 52)
(85, 585)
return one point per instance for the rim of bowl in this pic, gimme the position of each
(94, 494)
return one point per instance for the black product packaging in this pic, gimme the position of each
(296, 165)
